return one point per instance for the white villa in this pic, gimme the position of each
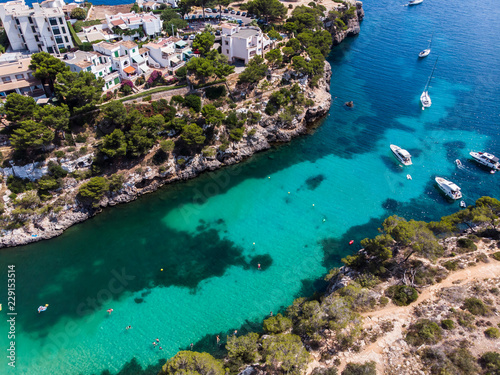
(150, 23)
(168, 53)
(98, 64)
(243, 43)
(126, 57)
(41, 28)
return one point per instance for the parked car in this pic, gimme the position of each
(185, 37)
(238, 13)
(226, 11)
(244, 14)
(233, 12)
(191, 37)
(208, 10)
(214, 10)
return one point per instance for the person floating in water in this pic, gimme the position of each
(128, 327)
(157, 340)
(192, 346)
(218, 339)
(154, 343)
(110, 311)
(258, 266)
(235, 332)
(161, 348)
(42, 308)
(271, 313)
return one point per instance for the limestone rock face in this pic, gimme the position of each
(353, 26)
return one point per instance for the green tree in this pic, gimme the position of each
(139, 140)
(116, 181)
(274, 57)
(277, 324)
(172, 19)
(31, 135)
(193, 101)
(285, 352)
(212, 115)
(203, 42)
(80, 91)
(273, 34)
(201, 67)
(19, 107)
(243, 349)
(254, 72)
(54, 117)
(91, 192)
(114, 144)
(46, 67)
(269, 9)
(114, 113)
(135, 8)
(78, 14)
(192, 134)
(192, 363)
(184, 7)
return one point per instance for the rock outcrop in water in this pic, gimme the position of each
(339, 30)
(269, 130)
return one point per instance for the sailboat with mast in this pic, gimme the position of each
(425, 99)
(426, 51)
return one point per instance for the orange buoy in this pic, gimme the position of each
(351, 242)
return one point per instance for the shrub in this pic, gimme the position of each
(476, 307)
(467, 244)
(215, 92)
(146, 98)
(402, 295)
(167, 145)
(78, 14)
(116, 182)
(490, 362)
(492, 333)
(424, 331)
(496, 256)
(447, 324)
(193, 101)
(81, 138)
(450, 265)
(92, 191)
(323, 370)
(367, 368)
(383, 301)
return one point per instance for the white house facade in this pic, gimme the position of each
(126, 57)
(149, 23)
(17, 77)
(243, 43)
(166, 54)
(41, 28)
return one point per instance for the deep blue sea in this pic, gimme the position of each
(181, 264)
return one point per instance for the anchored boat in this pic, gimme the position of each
(449, 188)
(402, 155)
(486, 159)
(425, 99)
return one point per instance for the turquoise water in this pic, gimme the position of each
(292, 210)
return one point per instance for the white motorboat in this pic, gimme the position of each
(463, 204)
(415, 2)
(449, 188)
(486, 159)
(425, 99)
(402, 155)
(426, 51)
(458, 163)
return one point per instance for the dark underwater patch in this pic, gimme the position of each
(264, 260)
(313, 182)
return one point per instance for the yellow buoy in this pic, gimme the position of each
(313, 204)
(46, 305)
(288, 192)
(254, 243)
(161, 269)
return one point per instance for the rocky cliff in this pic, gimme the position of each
(268, 131)
(352, 26)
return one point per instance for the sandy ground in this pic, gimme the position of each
(99, 11)
(402, 316)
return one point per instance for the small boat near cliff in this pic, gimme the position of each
(426, 51)
(486, 159)
(402, 155)
(414, 2)
(449, 188)
(425, 98)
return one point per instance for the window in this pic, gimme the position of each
(53, 21)
(56, 31)
(117, 80)
(110, 69)
(66, 39)
(227, 51)
(30, 20)
(89, 69)
(61, 21)
(33, 29)
(227, 43)
(100, 74)
(63, 30)
(59, 40)
(50, 49)
(133, 50)
(17, 21)
(6, 79)
(36, 38)
(116, 53)
(19, 76)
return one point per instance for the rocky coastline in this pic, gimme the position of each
(268, 131)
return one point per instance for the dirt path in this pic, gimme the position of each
(402, 315)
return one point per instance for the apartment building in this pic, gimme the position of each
(96, 63)
(37, 29)
(243, 43)
(17, 77)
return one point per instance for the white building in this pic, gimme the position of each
(243, 43)
(16, 76)
(149, 4)
(126, 57)
(98, 64)
(42, 28)
(166, 53)
(150, 24)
